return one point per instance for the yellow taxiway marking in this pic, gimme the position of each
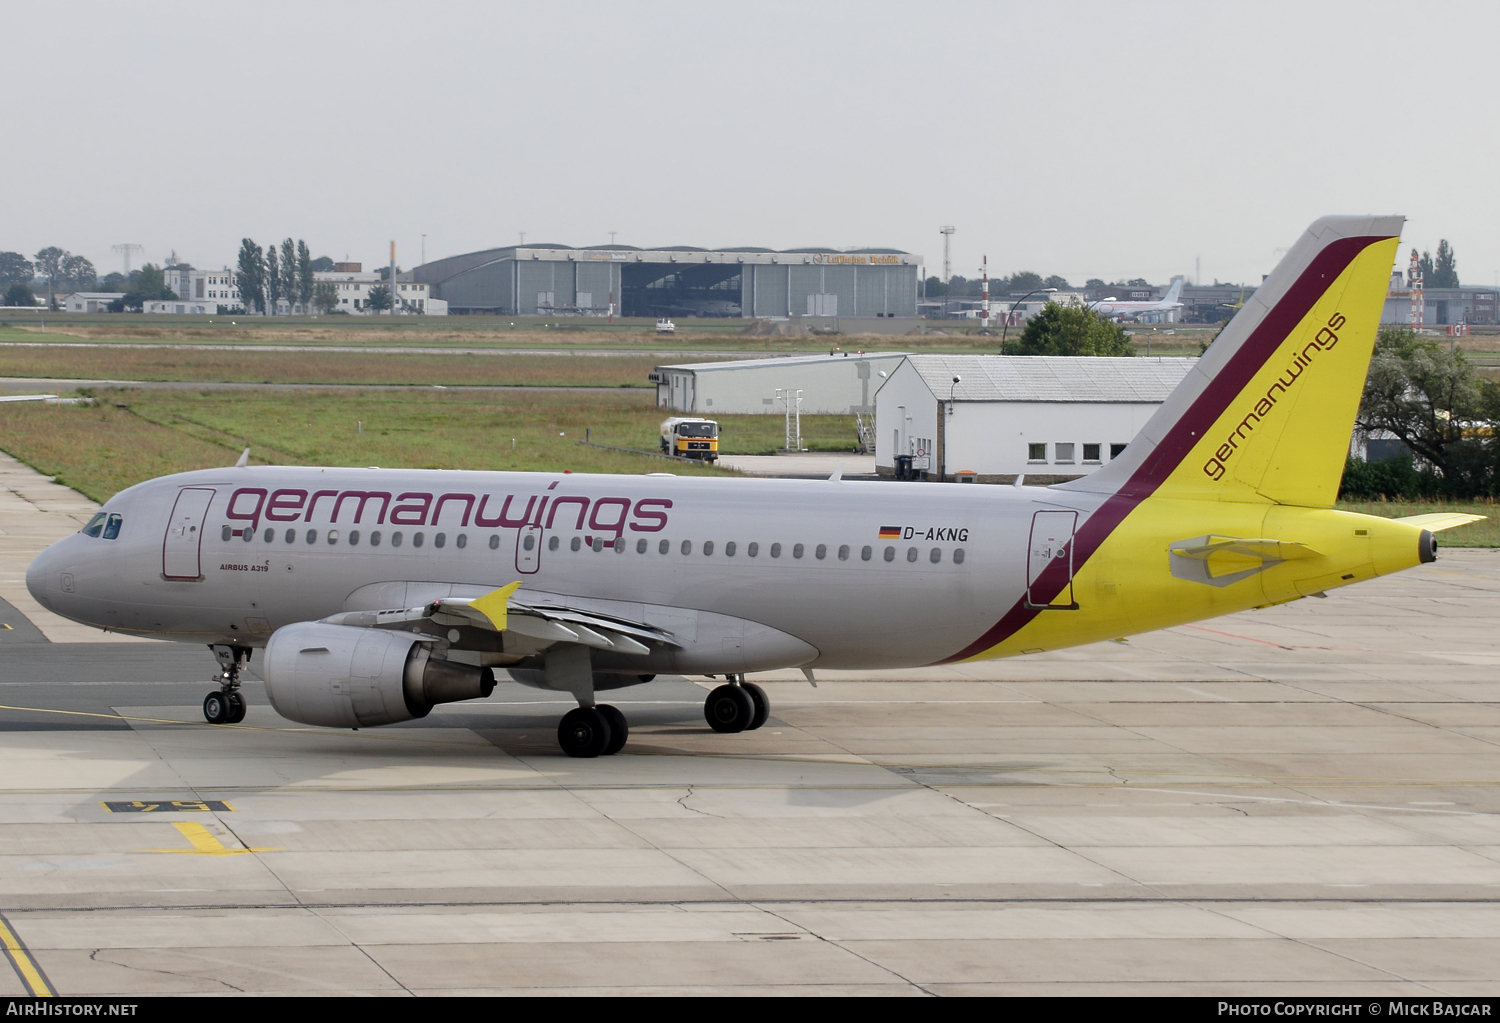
(204, 843)
(26, 967)
(7, 625)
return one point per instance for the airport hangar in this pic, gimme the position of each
(843, 383)
(1049, 418)
(678, 280)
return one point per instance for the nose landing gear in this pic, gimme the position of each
(226, 705)
(737, 706)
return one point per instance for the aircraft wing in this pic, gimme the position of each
(1439, 521)
(499, 611)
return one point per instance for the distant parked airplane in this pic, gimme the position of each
(1115, 310)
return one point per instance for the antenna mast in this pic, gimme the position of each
(125, 249)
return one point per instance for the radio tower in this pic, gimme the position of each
(1414, 281)
(947, 232)
(126, 250)
(984, 295)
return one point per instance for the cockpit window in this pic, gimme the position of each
(112, 527)
(95, 525)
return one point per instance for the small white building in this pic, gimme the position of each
(88, 301)
(354, 293)
(1052, 418)
(168, 306)
(839, 384)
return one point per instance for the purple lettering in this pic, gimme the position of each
(252, 516)
(643, 511)
(286, 501)
(467, 499)
(618, 528)
(583, 507)
(313, 504)
(362, 496)
(504, 521)
(409, 510)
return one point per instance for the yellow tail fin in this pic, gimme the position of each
(1265, 416)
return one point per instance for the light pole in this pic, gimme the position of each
(1011, 312)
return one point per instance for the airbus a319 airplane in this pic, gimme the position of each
(377, 594)
(1115, 309)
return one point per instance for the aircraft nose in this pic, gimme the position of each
(37, 575)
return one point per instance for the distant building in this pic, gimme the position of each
(354, 292)
(678, 280)
(1441, 306)
(172, 307)
(839, 384)
(209, 289)
(88, 301)
(1051, 418)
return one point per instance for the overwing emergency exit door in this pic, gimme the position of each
(180, 548)
(529, 549)
(1049, 561)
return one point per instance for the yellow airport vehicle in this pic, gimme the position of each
(683, 437)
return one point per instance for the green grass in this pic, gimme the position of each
(102, 449)
(1477, 534)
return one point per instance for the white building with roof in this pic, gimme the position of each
(88, 301)
(353, 290)
(842, 383)
(994, 417)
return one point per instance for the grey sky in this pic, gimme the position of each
(1087, 139)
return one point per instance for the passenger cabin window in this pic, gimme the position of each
(333, 536)
(865, 553)
(396, 539)
(776, 550)
(375, 538)
(440, 540)
(729, 549)
(687, 546)
(552, 544)
(576, 543)
(461, 541)
(494, 541)
(708, 547)
(665, 547)
(821, 551)
(641, 545)
(753, 550)
(353, 538)
(796, 550)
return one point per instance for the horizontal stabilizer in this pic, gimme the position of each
(1436, 522)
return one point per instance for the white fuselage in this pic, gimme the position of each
(753, 574)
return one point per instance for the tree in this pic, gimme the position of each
(79, 273)
(151, 285)
(322, 265)
(1023, 281)
(1425, 396)
(385, 271)
(49, 265)
(379, 299)
(1060, 283)
(1424, 264)
(1137, 282)
(1072, 330)
(304, 276)
(936, 288)
(1444, 267)
(15, 268)
(289, 284)
(19, 294)
(325, 298)
(272, 280)
(251, 277)
(1094, 282)
(116, 282)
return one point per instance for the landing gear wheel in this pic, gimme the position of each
(236, 707)
(619, 729)
(583, 732)
(729, 709)
(216, 707)
(762, 705)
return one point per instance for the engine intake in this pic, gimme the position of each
(342, 676)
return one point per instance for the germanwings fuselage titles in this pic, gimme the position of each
(278, 545)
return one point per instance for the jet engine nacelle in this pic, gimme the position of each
(343, 676)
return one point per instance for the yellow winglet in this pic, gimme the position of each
(493, 605)
(1439, 521)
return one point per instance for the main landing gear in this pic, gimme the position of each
(737, 706)
(226, 705)
(597, 731)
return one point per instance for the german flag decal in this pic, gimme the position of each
(890, 532)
